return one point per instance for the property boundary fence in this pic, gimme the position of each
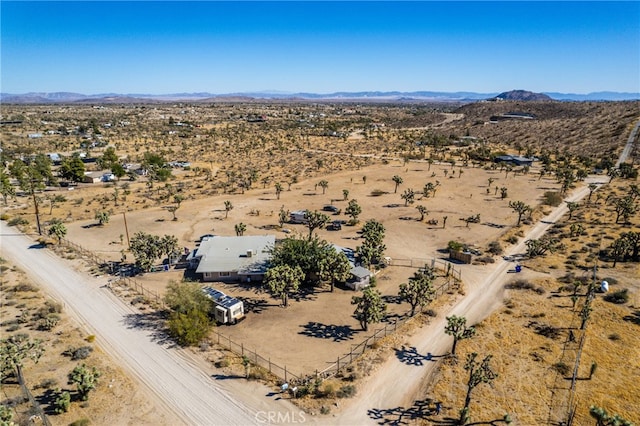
(128, 281)
(346, 360)
(140, 289)
(449, 269)
(563, 404)
(88, 254)
(255, 358)
(36, 408)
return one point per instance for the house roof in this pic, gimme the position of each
(360, 272)
(246, 254)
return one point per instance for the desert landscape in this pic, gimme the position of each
(429, 173)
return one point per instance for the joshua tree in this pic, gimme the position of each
(479, 372)
(423, 211)
(490, 181)
(85, 380)
(278, 190)
(282, 280)
(324, 185)
(457, 328)
(102, 216)
(444, 221)
(353, 210)
(345, 194)
(370, 308)
(592, 188)
(572, 206)
(240, 228)
(283, 216)
(227, 208)
(408, 196)
(398, 181)
(58, 229)
(503, 192)
(315, 220)
(53, 201)
(604, 419)
(521, 208)
(419, 291)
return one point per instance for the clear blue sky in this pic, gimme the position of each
(222, 47)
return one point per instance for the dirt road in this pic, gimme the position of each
(396, 384)
(177, 379)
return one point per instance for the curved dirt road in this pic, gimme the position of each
(184, 391)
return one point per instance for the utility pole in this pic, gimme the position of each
(35, 203)
(126, 228)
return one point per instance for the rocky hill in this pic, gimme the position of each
(522, 95)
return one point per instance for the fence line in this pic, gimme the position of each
(451, 274)
(37, 408)
(255, 358)
(346, 360)
(128, 281)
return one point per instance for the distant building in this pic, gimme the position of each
(514, 159)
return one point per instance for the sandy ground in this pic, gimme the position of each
(291, 336)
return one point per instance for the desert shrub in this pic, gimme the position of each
(552, 198)
(546, 330)
(512, 239)
(618, 297)
(562, 368)
(495, 248)
(346, 391)
(524, 285)
(222, 363)
(46, 384)
(455, 245)
(47, 324)
(50, 307)
(614, 337)
(90, 338)
(81, 353)
(611, 280)
(25, 287)
(81, 422)
(257, 374)
(324, 410)
(18, 221)
(431, 313)
(4, 216)
(326, 390)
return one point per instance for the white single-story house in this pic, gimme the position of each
(232, 258)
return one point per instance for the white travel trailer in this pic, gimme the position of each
(227, 310)
(298, 216)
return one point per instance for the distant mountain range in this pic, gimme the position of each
(420, 96)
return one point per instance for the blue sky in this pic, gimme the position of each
(223, 47)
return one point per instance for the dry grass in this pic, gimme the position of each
(524, 358)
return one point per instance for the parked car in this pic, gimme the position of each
(332, 209)
(336, 225)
